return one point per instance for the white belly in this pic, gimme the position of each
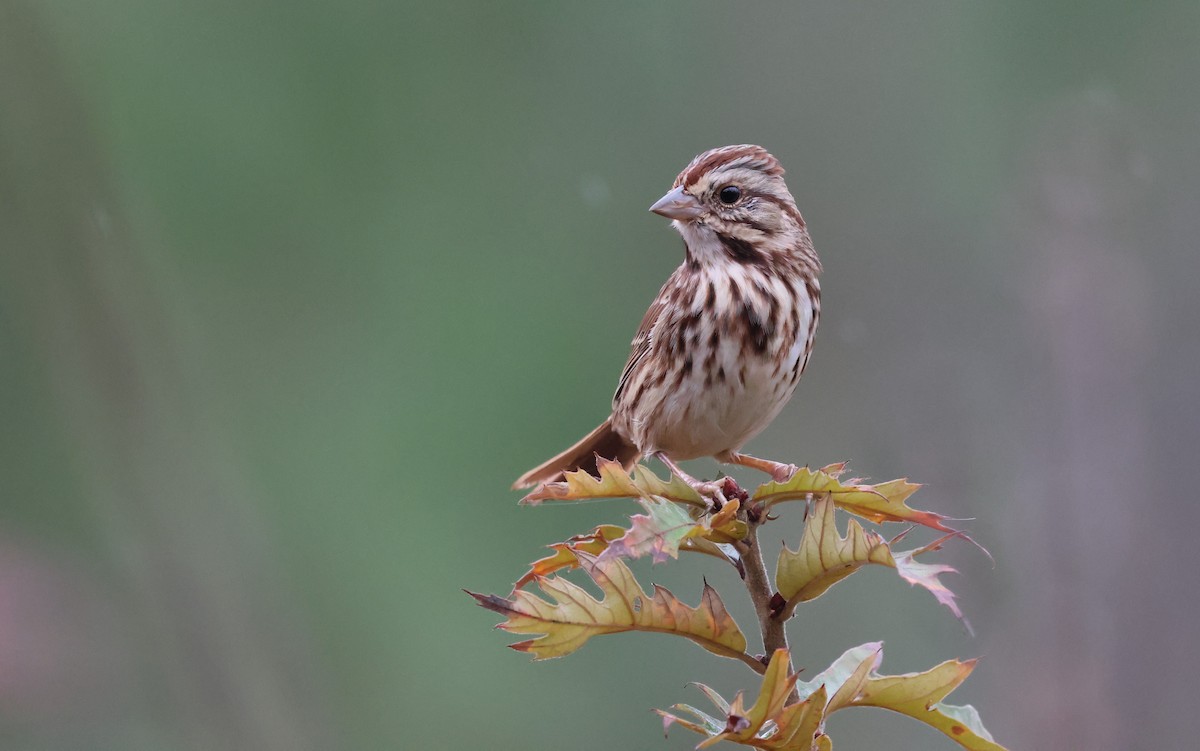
(708, 413)
(695, 421)
(708, 401)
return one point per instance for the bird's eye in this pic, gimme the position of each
(730, 194)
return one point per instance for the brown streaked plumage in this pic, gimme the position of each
(723, 345)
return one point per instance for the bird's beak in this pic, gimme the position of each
(678, 204)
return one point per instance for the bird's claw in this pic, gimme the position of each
(783, 472)
(712, 493)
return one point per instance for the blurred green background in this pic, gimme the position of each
(290, 292)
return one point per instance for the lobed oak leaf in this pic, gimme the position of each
(884, 502)
(846, 676)
(666, 528)
(926, 575)
(657, 533)
(564, 556)
(614, 482)
(664, 531)
(919, 695)
(572, 616)
(825, 557)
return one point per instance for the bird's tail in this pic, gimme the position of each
(603, 441)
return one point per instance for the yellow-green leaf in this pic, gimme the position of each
(884, 502)
(777, 685)
(704, 724)
(774, 724)
(615, 482)
(564, 556)
(771, 723)
(725, 526)
(919, 696)
(825, 557)
(572, 616)
(846, 677)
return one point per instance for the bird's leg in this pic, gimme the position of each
(710, 490)
(778, 472)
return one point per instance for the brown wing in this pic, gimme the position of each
(641, 340)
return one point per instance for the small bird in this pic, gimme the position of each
(724, 343)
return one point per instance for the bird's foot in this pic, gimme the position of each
(779, 472)
(711, 492)
(783, 472)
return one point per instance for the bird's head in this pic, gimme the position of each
(731, 203)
